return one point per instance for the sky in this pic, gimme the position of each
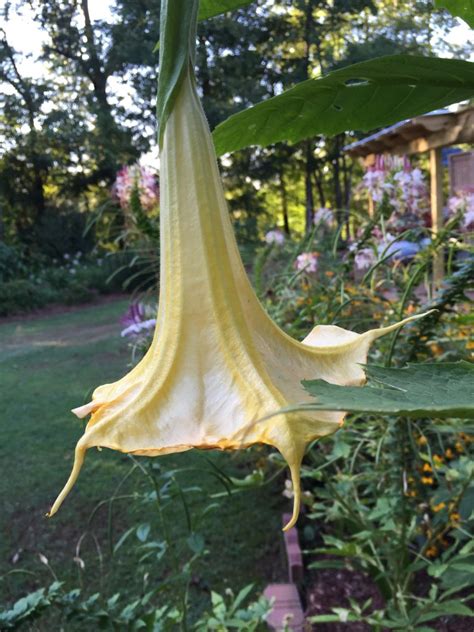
(26, 36)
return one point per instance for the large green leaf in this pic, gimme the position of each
(420, 390)
(211, 8)
(361, 97)
(460, 8)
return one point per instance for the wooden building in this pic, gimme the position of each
(428, 133)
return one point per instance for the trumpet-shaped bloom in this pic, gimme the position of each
(218, 365)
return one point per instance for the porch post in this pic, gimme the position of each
(436, 174)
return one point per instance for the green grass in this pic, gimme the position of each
(49, 365)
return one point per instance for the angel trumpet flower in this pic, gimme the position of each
(218, 365)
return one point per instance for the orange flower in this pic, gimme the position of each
(427, 480)
(439, 507)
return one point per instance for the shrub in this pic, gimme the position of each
(60, 233)
(11, 263)
(22, 295)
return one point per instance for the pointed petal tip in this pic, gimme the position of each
(296, 480)
(382, 331)
(83, 411)
(291, 523)
(76, 468)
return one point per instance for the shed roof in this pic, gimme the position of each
(439, 128)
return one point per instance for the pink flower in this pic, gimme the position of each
(307, 262)
(130, 178)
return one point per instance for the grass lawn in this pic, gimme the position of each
(50, 364)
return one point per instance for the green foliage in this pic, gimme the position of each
(389, 497)
(228, 613)
(460, 8)
(420, 390)
(361, 97)
(211, 8)
(59, 233)
(21, 295)
(396, 511)
(71, 283)
(97, 612)
(11, 262)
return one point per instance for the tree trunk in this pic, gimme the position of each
(284, 203)
(318, 179)
(338, 198)
(309, 206)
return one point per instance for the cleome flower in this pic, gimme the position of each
(307, 262)
(219, 370)
(275, 236)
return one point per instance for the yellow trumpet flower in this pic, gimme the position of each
(218, 365)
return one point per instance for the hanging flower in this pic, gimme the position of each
(219, 370)
(307, 262)
(275, 237)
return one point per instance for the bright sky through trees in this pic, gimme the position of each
(26, 36)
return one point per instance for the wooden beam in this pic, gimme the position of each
(436, 173)
(431, 132)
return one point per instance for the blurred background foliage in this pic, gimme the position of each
(67, 131)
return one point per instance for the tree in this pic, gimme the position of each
(24, 165)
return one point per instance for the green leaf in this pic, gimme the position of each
(360, 97)
(420, 390)
(211, 8)
(177, 44)
(196, 543)
(459, 8)
(143, 531)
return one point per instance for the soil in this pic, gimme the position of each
(334, 588)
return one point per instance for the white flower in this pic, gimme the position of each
(324, 216)
(469, 218)
(275, 237)
(365, 259)
(136, 328)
